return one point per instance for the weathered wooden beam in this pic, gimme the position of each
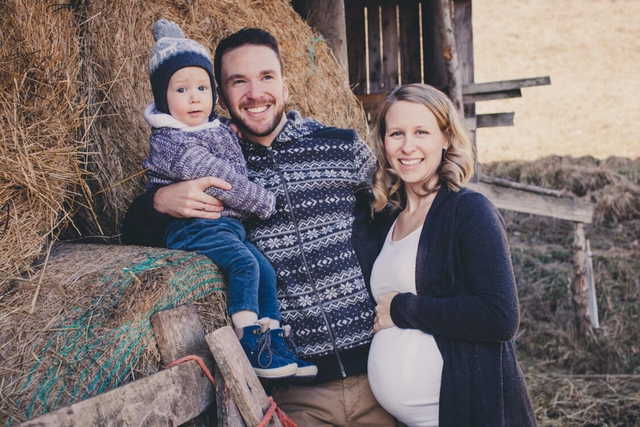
(538, 204)
(494, 120)
(521, 186)
(179, 333)
(243, 383)
(489, 96)
(170, 397)
(450, 52)
(506, 85)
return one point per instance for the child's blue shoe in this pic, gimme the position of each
(267, 363)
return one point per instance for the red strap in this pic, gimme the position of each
(286, 421)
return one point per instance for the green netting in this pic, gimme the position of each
(95, 347)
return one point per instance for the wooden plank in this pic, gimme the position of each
(494, 120)
(390, 48)
(410, 44)
(243, 383)
(375, 59)
(537, 204)
(179, 333)
(489, 96)
(504, 85)
(228, 412)
(368, 101)
(354, 15)
(170, 397)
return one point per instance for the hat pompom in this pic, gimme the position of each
(164, 28)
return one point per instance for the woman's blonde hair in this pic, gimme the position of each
(457, 160)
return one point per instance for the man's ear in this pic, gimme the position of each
(221, 100)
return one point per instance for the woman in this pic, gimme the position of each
(447, 311)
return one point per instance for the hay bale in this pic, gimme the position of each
(118, 36)
(40, 112)
(90, 330)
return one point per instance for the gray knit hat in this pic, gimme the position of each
(172, 52)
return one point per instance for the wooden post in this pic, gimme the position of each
(243, 383)
(450, 53)
(179, 333)
(580, 282)
(328, 17)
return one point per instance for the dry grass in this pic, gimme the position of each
(591, 51)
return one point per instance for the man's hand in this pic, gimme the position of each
(187, 199)
(383, 312)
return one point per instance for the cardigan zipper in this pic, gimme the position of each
(305, 262)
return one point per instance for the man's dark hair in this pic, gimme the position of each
(253, 36)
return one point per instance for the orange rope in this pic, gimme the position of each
(197, 359)
(286, 421)
(273, 407)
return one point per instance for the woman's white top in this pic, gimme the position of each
(405, 365)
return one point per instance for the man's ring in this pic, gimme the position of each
(204, 206)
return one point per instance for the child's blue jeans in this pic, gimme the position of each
(250, 277)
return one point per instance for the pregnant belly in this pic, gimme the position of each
(405, 368)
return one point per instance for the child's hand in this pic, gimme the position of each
(236, 130)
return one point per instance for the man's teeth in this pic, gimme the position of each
(256, 110)
(410, 162)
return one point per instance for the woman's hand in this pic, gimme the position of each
(383, 312)
(187, 199)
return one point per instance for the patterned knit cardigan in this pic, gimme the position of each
(314, 171)
(179, 153)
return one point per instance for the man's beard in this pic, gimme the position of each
(247, 129)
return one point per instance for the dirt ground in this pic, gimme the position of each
(591, 51)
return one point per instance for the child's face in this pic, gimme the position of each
(189, 96)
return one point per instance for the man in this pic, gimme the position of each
(315, 172)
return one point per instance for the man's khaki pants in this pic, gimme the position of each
(348, 402)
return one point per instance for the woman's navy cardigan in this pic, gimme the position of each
(467, 299)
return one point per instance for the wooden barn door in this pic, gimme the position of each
(392, 43)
